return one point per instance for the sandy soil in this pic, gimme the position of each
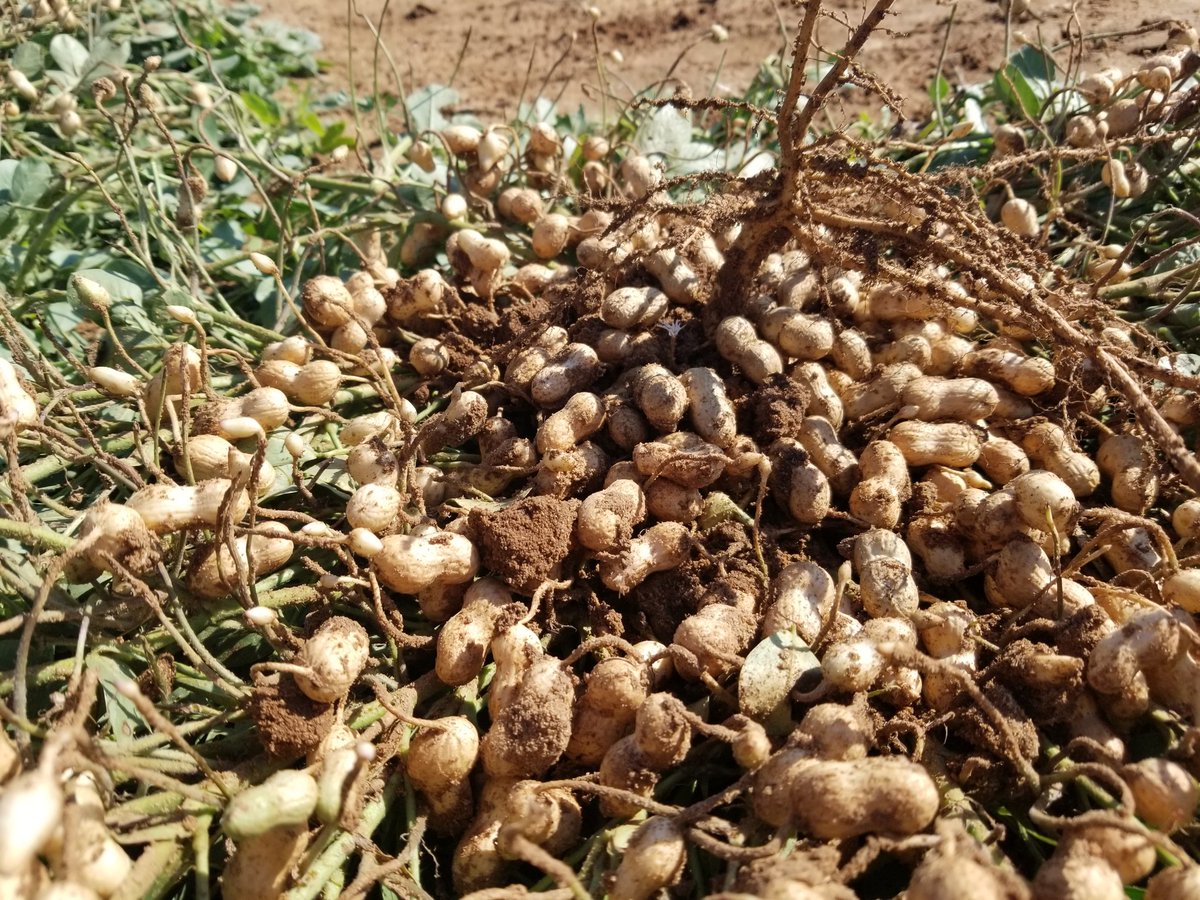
(519, 45)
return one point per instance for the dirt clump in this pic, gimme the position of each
(287, 722)
(525, 543)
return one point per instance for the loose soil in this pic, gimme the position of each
(524, 47)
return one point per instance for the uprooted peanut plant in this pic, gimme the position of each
(806, 534)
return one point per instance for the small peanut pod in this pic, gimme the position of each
(569, 370)
(211, 456)
(166, 507)
(1027, 375)
(1049, 446)
(711, 410)
(313, 384)
(1043, 498)
(1129, 464)
(439, 763)
(881, 394)
(653, 860)
(1002, 460)
(965, 399)
(803, 488)
(530, 733)
(671, 502)
(410, 563)
(659, 548)
(18, 409)
(372, 463)
(797, 334)
(739, 343)
(181, 364)
(1021, 575)
(327, 302)
(660, 396)
(838, 799)
(627, 308)
(1149, 639)
(332, 659)
(605, 712)
(607, 518)
(885, 485)
(914, 349)
(581, 417)
(375, 507)
(940, 547)
(838, 463)
(214, 571)
(954, 444)
(678, 280)
(884, 567)
(823, 399)
(852, 354)
(122, 535)
(287, 797)
(113, 382)
(803, 594)
(682, 457)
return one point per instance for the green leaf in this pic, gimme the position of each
(123, 717)
(106, 58)
(30, 58)
(425, 107)
(768, 676)
(266, 111)
(31, 178)
(70, 55)
(1026, 82)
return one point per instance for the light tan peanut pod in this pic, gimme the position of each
(123, 535)
(880, 394)
(823, 399)
(181, 364)
(802, 596)
(1027, 375)
(1041, 498)
(333, 657)
(885, 485)
(797, 334)
(1020, 217)
(420, 295)
(294, 349)
(313, 384)
(677, 279)
(522, 204)
(946, 353)
(373, 463)
(439, 763)
(884, 567)
(682, 457)
(614, 346)
(633, 307)
(564, 473)
(214, 571)
(1012, 407)
(580, 418)
(267, 406)
(808, 492)
(839, 464)
(670, 502)
(605, 712)
(964, 399)
(408, 564)
(711, 410)
(1001, 459)
(607, 518)
(212, 456)
(383, 424)
(659, 548)
(738, 342)
(1164, 793)
(550, 234)
(852, 354)
(374, 506)
(627, 427)
(113, 382)
(464, 639)
(660, 396)
(1129, 464)
(166, 508)
(1021, 575)
(939, 546)
(1186, 519)
(1133, 550)
(1183, 589)
(569, 370)
(428, 357)
(1049, 446)
(936, 443)
(327, 302)
(914, 349)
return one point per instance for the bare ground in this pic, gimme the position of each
(517, 48)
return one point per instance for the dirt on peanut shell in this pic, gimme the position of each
(525, 47)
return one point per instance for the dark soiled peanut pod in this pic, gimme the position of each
(531, 733)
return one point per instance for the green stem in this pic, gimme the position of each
(340, 848)
(40, 537)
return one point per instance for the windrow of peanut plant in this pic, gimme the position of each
(543, 508)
